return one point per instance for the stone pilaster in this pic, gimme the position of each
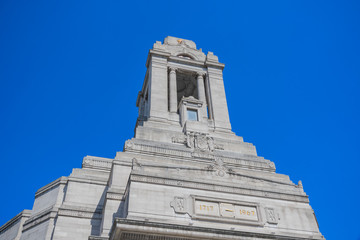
(172, 90)
(200, 86)
(201, 91)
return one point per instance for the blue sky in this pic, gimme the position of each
(70, 72)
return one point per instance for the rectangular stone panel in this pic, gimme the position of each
(246, 213)
(226, 210)
(206, 208)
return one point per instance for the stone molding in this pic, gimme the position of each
(87, 180)
(53, 184)
(80, 212)
(114, 196)
(97, 163)
(186, 62)
(145, 230)
(167, 151)
(187, 204)
(40, 217)
(243, 190)
(23, 214)
(97, 238)
(217, 168)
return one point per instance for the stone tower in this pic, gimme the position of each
(185, 175)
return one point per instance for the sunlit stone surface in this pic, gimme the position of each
(184, 175)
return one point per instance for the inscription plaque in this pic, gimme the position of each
(226, 210)
(246, 213)
(207, 208)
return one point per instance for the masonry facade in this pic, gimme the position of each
(185, 175)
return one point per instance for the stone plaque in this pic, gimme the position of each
(271, 215)
(246, 213)
(207, 208)
(227, 210)
(179, 205)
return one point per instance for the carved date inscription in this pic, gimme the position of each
(226, 210)
(245, 212)
(207, 208)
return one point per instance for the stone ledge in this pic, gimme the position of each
(53, 184)
(296, 197)
(134, 229)
(180, 152)
(24, 213)
(97, 163)
(210, 167)
(85, 179)
(80, 212)
(97, 238)
(40, 217)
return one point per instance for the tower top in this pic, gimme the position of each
(186, 49)
(183, 95)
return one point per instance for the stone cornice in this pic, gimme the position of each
(186, 61)
(53, 184)
(219, 187)
(87, 180)
(97, 163)
(23, 214)
(80, 212)
(97, 238)
(156, 53)
(214, 64)
(210, 168)
(115, 194)
(40, 217)
(141, 230)
(176, 151)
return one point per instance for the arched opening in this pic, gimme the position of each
(186, 56)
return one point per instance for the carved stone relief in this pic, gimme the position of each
(136, 165)
(200, 141)
(129, 144)
(271, 215)
(179, 205)
(220, 168)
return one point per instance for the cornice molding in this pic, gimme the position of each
(144, 230)
(243, 190)
(185, 153)
(40, 217)
(97, 163)
(53, 184)
(80, 212)
(23, 214)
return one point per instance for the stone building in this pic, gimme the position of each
(185, 174)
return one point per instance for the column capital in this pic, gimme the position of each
(172, 69)
(200, 74)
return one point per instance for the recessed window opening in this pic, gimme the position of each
(192, 115)
(186, 85)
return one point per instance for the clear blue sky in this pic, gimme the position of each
(70, 72)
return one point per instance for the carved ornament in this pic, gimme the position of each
(200, 141)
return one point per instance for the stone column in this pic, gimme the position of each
(200, 87)
(172, 90)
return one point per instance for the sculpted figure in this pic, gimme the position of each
(190, 140)
(211, 144)
(186, 88)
